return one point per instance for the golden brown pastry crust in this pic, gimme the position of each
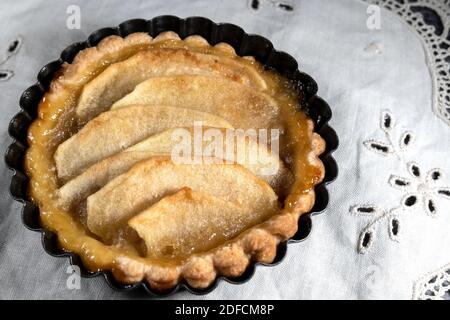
(258, 244)
(110, 46)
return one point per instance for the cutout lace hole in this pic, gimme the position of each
(379, 147)
(13, 46)
(395, 227)
(387, 121)
(410, 201)
(407, 139)
(431, 206)
(366, 209)
(367, 239)
(401, 183)
(286, 7)
(415, 170)
(6, 75)
(436, 175)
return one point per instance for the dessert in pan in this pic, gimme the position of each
(167, 160)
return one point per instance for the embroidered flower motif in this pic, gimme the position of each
(12, 49)
(417, 189)
(420, 188)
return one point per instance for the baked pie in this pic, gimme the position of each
(165, 160)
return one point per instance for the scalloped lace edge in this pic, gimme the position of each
(436, 46)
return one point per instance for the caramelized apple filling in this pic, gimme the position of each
(101, 157)
(190, 221)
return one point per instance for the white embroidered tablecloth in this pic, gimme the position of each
(385, 73)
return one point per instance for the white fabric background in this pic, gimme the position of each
(328, 39)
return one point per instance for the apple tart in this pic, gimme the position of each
(169, 160)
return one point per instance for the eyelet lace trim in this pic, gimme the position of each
(431, 20)
(433, 286)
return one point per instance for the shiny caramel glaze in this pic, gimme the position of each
(56, 122)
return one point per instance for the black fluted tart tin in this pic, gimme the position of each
(245, 45)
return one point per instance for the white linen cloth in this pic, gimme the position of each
(360, 72)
